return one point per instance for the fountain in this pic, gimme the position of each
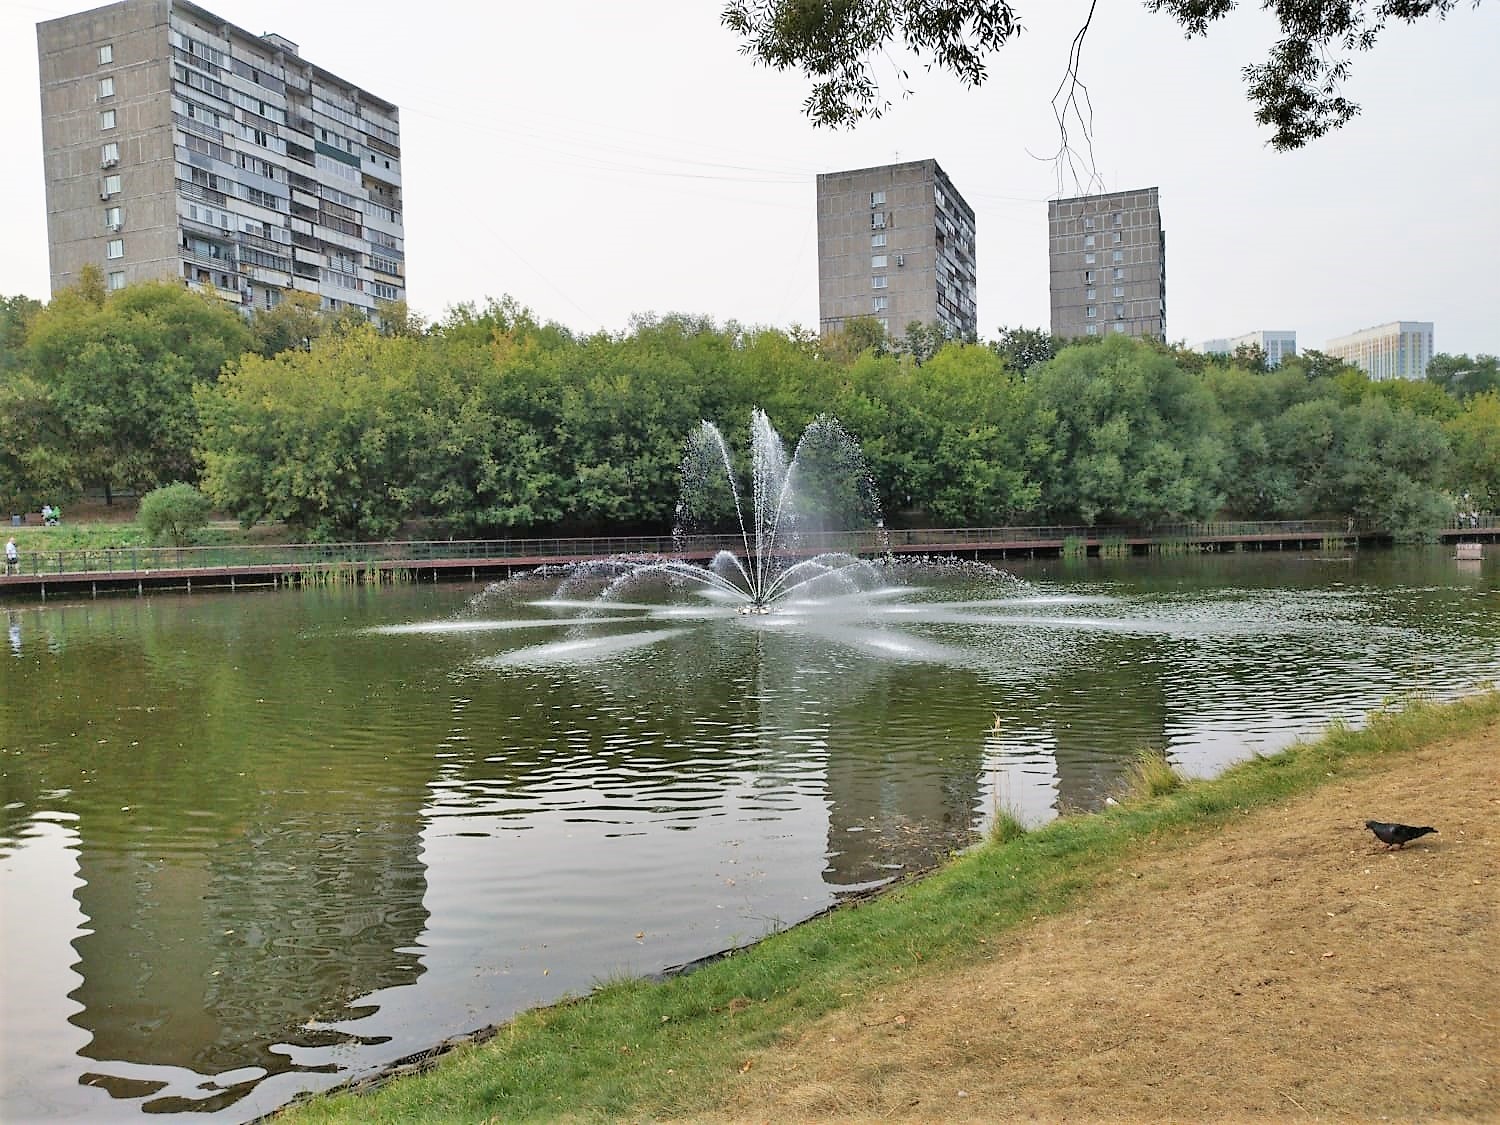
(774, 563)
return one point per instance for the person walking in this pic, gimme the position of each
(12, 556)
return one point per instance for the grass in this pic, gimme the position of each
(639, 1050)
(1152, 775)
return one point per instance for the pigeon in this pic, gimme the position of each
(1398, 834)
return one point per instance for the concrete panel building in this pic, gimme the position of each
(1277, 344)
(177, 145)
(896, 243)
(1108, 264)
(1399, 350)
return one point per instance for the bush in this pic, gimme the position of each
(175, 513)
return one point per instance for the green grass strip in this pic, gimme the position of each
(638, 1050)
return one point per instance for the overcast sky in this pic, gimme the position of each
(597, 160)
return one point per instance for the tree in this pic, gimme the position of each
(1296, 90)
(1463, 376)
(1475, 439)
(1024, 348)
(175, 512)
(1133, 436)
(119, 371)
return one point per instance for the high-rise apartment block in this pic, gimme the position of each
(1277, 345)
(896, 243)
(1399, 350)
(1108, 259)
(178, 145)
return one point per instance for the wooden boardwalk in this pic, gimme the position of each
(137, 570)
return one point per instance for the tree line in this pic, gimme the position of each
(489, 422)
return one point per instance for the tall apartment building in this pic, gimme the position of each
(1399, 350)
(1108, 264)
(179, 145)
(897, 243)
(1278, 345)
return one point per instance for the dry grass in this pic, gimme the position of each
(1284, 968)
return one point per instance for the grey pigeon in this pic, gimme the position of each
(1398, 834)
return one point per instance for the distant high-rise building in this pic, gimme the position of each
(177, 145)
(1277, 345)
(1108, 261)
(895, 243)
(1399, 350)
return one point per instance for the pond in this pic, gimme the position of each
(254, 844)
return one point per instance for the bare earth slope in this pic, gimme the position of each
(1285, 968)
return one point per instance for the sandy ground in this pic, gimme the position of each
(1285, 968)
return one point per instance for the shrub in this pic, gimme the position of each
(176, 513)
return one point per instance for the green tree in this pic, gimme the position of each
(1391, 469)
(1025, 348)
(1474, 437)
(119, 372)
(175, 512)
(318, 439)
(1296, 90)
(1133, 436)
(1464, 376)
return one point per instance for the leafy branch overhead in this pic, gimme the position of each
(1296, 90)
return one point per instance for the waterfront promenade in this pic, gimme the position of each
(136, 569)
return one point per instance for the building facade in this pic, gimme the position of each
(896, 243)
(177, 145)
(1399, 350)
(1108, 264)
(1277, 345)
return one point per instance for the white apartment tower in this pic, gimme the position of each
(177, 145)
(1399, 350)
(896, 243)
(1107, 258)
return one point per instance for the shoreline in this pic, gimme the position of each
(692, 1025)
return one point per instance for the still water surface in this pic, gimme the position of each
(253, 844)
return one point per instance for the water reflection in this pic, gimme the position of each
(286, 837)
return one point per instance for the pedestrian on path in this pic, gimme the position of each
(12, 556)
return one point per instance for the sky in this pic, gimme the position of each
(601, 160)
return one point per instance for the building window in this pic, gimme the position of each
(111, 185)
(1090, 312)
(877, 241)
(1088, 242)
(1119, 312)
(111, 218)
(1119, 255)
(1088, 259)
(1116, 238)
(877, 220)
(109, 155)
(877, 261)
(1119, 290)
(1119, 274)
(885, 324)
(877, 199)
(1088, 222)
(879, 304)
(1088, 276)
(878, 281)
(117, 279)
(106, 54)
(1119, 219)
(107, 119)
(1090, 294)
(1119, 328)
(106, 87)
(114, 248)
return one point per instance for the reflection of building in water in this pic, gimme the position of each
(208, 960)
(233, 892)
(888, 812)
(1095, 750)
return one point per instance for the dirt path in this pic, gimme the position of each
(1285, 968)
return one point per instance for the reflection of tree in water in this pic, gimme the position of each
(232, 892)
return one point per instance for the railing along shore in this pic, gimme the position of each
(303, 556)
